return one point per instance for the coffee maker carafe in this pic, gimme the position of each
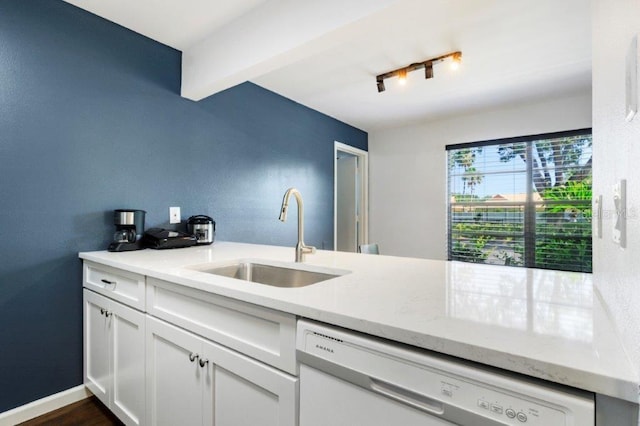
(129, 229)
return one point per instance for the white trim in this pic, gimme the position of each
(363, 156)
(43, 406)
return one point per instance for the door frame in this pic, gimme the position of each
(363, 167)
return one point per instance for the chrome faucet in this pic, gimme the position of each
(301, 248)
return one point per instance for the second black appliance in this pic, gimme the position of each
(158, 238)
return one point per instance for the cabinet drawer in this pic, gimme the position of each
(261, 333)
(125, 287)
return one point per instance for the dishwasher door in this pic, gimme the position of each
(347, 378)
(328, 401)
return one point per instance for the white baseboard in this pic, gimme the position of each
(43, 406)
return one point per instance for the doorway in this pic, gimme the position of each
(351, 197)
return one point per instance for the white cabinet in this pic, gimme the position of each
(96, 347)
(175, 381)
(227, 365)
(114, 356)
(192, 381)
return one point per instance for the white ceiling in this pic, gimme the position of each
(326, 56)
(178, 24)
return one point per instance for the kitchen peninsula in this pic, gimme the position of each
(545, 324)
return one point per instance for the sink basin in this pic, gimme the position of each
(278, 276)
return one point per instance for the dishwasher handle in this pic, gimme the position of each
(406, 396)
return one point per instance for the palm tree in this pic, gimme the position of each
(470, 179)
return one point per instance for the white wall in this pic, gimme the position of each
(408, 176)
(616, 156)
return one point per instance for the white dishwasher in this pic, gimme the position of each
(348, 378)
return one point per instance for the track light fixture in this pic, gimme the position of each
(401, 73)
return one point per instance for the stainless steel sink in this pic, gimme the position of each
(277, 276)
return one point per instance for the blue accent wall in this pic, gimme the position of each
(91, 120)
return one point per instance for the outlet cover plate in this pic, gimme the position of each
(597, 216)
(174, 214)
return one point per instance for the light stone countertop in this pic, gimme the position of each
(546, 324)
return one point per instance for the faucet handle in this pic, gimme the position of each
(309, 249)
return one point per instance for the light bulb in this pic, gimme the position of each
(455, 62)
(402, 77)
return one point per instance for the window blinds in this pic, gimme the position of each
(522, 202)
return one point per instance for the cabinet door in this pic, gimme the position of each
(247, 392)
(174, 377)
(127, 363)
(96, 346)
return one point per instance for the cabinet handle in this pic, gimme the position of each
(102, 311)
(203, 362)
(193, 357)
(107, 314)
(108, 282)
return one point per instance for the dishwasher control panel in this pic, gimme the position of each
(502, 404)
(440, 386)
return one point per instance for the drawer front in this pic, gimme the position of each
(123, 286)
(261, 333)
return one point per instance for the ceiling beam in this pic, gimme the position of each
(273, 35)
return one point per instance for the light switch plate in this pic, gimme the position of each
(620, 213)
(174, 214)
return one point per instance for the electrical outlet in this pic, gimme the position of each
(597, 216)
(620, 213)
(174, 214)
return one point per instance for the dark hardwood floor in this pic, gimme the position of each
(88, 412)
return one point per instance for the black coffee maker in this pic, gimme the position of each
(129, 229)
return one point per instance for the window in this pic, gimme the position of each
(522, 201)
